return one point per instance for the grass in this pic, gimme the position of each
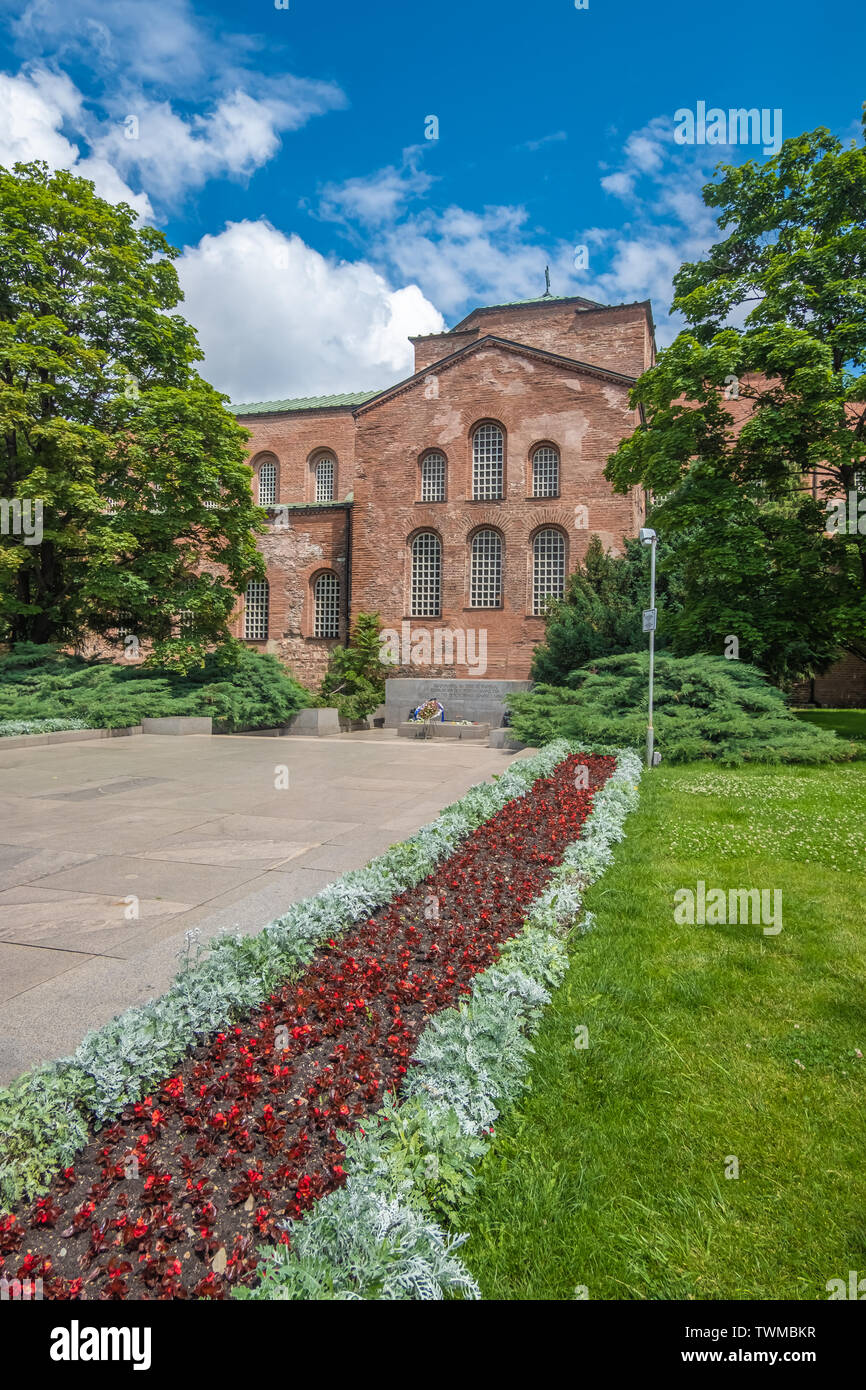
(705, 1043)
(847, 723)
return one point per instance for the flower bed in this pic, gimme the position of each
(171, 1197)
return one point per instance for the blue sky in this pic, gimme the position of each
(285, 152)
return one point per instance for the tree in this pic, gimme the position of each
(147, 521)
(600, 614)
(355, 680)
(747, 432)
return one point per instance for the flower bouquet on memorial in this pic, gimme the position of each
(426, 713)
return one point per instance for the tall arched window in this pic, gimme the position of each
(545, 472)
(488, 453)
(548, 568)
(426, 576)
(256, 611)
(325, 479)
(267, 483)
(326, 605)
(485, 572)
(433, 478)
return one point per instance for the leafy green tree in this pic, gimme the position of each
(137, 465)
(748, 431)
(600, 613)
(355, 680)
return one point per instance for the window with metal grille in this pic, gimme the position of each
(267, 483)
(326, 606)
(485, 574)
(185, 620)
(426, 576)
(256, 611)
(548, 569)
(545, 472)
(433, 478)
(487, 457)
(325, 480)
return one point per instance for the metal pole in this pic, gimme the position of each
(652, 646)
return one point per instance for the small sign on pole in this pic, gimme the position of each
(649, 619)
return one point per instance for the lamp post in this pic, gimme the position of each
(648, 537)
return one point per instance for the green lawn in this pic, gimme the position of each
(847, 723)
(704, 1042)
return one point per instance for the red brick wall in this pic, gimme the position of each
(431, 349)
(534, 401)
(295, 555)
(378, 448)
(844, 686)
(619, 339)
(294, 440)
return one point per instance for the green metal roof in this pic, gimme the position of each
(304, 403)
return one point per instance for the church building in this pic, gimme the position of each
(453, 503)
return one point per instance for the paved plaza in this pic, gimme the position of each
(111, 851)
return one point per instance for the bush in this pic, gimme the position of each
(238, 688)
(11, 728)
(355, 679)
(705, 707)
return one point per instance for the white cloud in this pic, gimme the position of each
(34, 107)
(377, 198)
(459, 256)
(556, 137)
(170, 155)
(161, 41)
(277, 319)
(621, 184)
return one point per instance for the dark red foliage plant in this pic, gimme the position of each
(172, 1199)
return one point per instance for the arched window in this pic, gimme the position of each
(326, 605)
(256, 611)
(433, 478)
(548, 569)
(426, 576)
(325, 479)
(485, 573)
(488, 453)
(545, 472)
(267, 483)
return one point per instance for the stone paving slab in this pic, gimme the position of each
(198, 833)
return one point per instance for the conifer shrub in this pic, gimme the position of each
(705, 707)
(236, 687)
(355, 680)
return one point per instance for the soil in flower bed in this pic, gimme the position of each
(172, 1199)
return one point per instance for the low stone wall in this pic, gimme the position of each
(320, 723)
(65, 736)
(476, 733)
(178, 724)
(480, 700)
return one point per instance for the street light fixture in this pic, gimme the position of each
(648, 537)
